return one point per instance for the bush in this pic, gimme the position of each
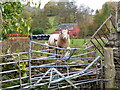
(36, 31)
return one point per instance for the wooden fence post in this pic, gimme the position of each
(0, 44)
(109, 68)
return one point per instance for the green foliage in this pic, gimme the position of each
(13, 22)
(40, 20)
(51, 9)
(36, 31)
(100, 17)
(23, 68)
(67, 13)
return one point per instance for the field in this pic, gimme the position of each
(77, 43)
(21, 46)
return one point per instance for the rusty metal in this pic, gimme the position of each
(107, 28)
(112, 23)
(104, 34)
(98, 42)
(101, 38)
(96, 47)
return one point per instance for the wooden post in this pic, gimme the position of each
(109, 68)
(0, 44)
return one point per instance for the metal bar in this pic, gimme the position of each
(47, 50)
(50, 78)
(55, 75)
(101, 38)
(79, 74)
(82, 83)
(29, 58)
(20, 71)
(104, 34)
(112, 23)
(61, 58)
(63, 55)
(71, 76)
(64, 78)
(43, 66)
(96, 47)
(48, 53)
(14, 79)
(14, 54)
(15, 86)
(42, 77)
(97, 58)
(98, 42)
(45, 58)
(8, 71)
(99, 28)
(58, 47)
(37, 77)
(83, 54)
(67, 66)
(13, 62)
(107, 27)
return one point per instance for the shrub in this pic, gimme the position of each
(37, 31)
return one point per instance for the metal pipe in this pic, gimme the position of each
(68, 77)
(10, 71)
(58, 47)
(43, 66)
(83, 54)
(98, 42)
(29, 58)
(47, 53)
(14, 54)
(107, 28)
(45, 58)
(96, 47)
(104, 34)
(101, 38)
(97, 58)
(20, 71)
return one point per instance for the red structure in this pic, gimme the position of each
(73, 29)
(16, 37)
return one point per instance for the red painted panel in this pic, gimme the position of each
(73, 33)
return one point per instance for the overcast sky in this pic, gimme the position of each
(93, 4)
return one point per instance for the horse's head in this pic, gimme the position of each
(64, 34)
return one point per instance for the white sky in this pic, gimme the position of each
(93, 4)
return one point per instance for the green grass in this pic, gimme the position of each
(78, 43)
(51, 30)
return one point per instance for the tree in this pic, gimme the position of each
(51, 9)
(84, 19)
(101, 15)
(40, 20)
(67, 12)
(12, 20)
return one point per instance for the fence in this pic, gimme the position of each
(102, 33)
(51, 71)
